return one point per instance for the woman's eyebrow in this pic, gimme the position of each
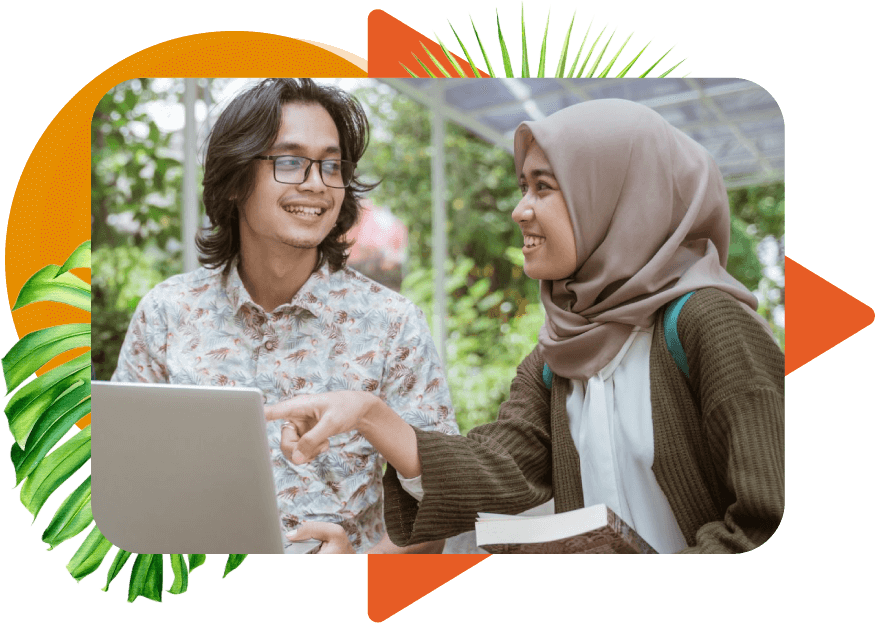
(539, 173)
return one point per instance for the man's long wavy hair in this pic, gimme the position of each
(247, 128)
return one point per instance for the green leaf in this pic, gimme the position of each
(468, 56)
(541, 65)
(89, 555)
(421, 64)
(196, 560)
(601, 54)
(147, 577)
(560, 69)
(49, 284)
(234, 561)
(29, 402)
(482, 50)
(671, 69)
(80, 258)
(629, 66)
(36, 349)
(130, 100)
(515, 256)
(52, 425)
(655, 64)
(412, 75)
(591, 50)
(525, 69)
(73, 516)
(504, 54)
(435, 61)
(604, 74)
(118, 562)
(479, 289)
(450, 58)
(582, 43)
(180, 574)
(55, 469)
(489, 301)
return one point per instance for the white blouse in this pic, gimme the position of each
(612, 428)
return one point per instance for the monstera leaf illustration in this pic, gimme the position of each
(43, 412)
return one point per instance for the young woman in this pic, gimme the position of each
(621, 215)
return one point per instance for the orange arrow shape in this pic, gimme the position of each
(392, 42)
(811, 331)
(396, 581)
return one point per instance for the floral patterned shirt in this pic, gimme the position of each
(340, 331)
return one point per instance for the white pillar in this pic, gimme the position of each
(189, 179)
(438, 233)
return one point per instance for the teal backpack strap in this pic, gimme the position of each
(548, 376)
(670, 324)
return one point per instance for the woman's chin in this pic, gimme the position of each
(544, 273)
(538, 272)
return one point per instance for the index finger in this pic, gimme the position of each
(287, 409)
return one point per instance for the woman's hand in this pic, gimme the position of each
(311, 419)
(333, 537)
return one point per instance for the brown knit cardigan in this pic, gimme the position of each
(718, 442)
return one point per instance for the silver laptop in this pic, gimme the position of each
(184, 469)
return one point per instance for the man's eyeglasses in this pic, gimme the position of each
(296, 169)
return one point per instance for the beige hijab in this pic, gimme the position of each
(651, 222)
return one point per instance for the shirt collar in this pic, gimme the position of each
(310, 297)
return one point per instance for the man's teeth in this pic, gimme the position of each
(533, 241)
(305, 211)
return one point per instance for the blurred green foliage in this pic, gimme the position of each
(120, 277)
(136, 178)
(136, 188)
(756, 252)
(494, 312)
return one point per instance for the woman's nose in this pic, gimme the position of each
(522, 212)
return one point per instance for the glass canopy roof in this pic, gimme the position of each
(737, 121)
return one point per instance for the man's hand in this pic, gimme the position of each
(333, 536)
(312, 419)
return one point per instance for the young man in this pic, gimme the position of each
(274, 306)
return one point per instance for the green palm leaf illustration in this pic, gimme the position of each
(524, 61)
(45, 409)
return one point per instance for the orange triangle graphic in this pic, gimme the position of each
(392, 42)
(396, 581)
(811, 331)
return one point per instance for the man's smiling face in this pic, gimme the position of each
(294, 216)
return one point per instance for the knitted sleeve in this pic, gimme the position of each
(502, 467)
(738, 374)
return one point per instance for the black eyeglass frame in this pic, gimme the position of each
(309, 166)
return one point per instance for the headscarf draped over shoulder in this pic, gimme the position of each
(651, 222)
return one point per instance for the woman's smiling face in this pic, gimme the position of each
(548, 238)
